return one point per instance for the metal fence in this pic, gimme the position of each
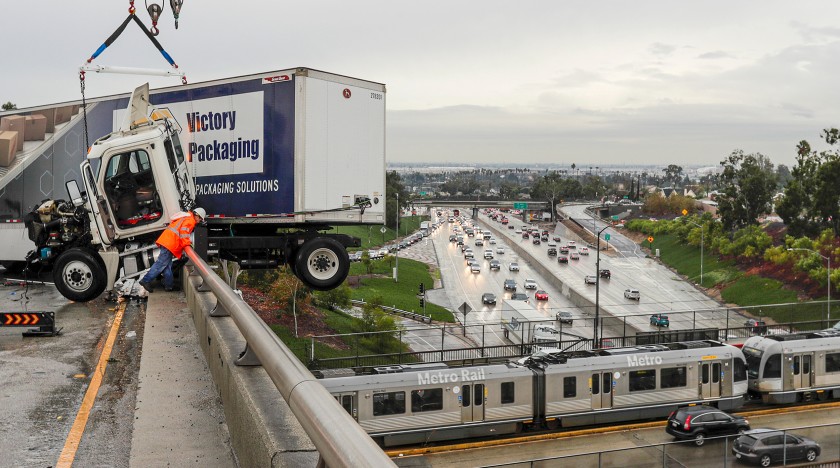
(716, 452)
(488, 343)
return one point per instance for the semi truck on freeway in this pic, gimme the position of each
(275, 159)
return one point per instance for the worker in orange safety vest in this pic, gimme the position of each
(172, 242)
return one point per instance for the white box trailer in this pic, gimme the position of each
(523, 324)
(299, 150)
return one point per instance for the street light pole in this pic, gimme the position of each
(397, 255)
(597, 283)
(828, 259)
(701, 249)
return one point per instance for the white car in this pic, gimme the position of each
(590, 279)
(513, 267)
(475, 268)
(572, 245)
(584, 250)
(530, 284)
(632, 294)
(518, 231)
(488, 254)
(492, 241)
(500, 250)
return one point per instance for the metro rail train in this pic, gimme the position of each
(409, 404)
(796, 367)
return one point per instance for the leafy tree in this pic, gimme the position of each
(747, 186)
(8, 106)
(508, 190)
(381, 326)
(394, 186)
(334, 298)
(811, 197)
(673, 174)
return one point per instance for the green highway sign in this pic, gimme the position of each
(615, 217)
(422, 194)
(606, 237)
(520, 206)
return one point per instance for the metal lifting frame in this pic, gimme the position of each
(141, 71)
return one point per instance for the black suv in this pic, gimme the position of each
(698, 422)
(604, 273)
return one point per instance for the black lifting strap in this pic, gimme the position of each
(113, 37)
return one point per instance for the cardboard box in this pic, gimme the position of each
(8, 147)
(14, 123)
(35, 127)
(63, 114)
(49, 115)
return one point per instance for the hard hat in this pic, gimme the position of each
(200, 212)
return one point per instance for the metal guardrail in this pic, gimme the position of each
(400, 312)
(340, 441)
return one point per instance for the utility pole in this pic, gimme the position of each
(397, 255)
(597, 283)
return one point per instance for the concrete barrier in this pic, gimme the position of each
(263, 430)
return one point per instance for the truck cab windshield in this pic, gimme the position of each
(130, 189)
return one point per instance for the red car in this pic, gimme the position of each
(541, 295)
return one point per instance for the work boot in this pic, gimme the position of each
(147, 286)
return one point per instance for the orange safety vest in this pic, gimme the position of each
(177, 236)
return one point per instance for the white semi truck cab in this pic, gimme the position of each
(135, 179)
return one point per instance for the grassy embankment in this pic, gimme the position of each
(736, 287)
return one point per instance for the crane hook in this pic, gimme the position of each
(154, 11)
(176, 9)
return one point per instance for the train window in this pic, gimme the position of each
(716, 374)
(388, 403)
(740, 371)
(347, 403)
(642, 380)
(507, 392)
(773, 367)
(704, 373)
(596, 384)
(796, 365)
(832, 362)
(430, 399)
(672, 377)
(465, 391)
(753, 361)
(479, 394)
(806, 364)
(569, 387)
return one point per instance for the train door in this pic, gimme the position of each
(473, 400)
(348, 402)
(711, 376)
(802, 370)
(601, 389)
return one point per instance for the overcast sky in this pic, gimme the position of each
(585, 82)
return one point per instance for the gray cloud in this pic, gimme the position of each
(717, 54)
(659, 48)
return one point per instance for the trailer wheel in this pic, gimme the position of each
(78, 275)
(322, 263)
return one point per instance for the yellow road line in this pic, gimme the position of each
(71, 445)
(583, 432)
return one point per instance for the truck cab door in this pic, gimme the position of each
(179, 166)
(98, 206)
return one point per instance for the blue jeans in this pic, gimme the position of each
(164, 265)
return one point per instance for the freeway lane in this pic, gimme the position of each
(661, 290)
(463, 286)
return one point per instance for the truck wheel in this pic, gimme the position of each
(322, 263)
(78, 275)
